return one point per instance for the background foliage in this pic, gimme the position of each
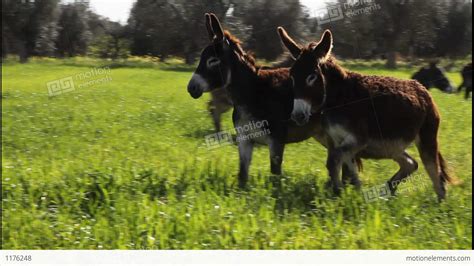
(164, 28)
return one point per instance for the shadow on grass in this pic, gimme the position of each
(200, 133)
(294, 194)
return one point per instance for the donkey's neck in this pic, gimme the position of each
(336, 77)
(243, 82)
(333, 72)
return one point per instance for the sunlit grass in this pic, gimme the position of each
(124, 165)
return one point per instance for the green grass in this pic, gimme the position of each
(124, 165)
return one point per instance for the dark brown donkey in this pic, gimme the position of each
(260, 96)
(221, 101)
(467, 80)
(374, 117)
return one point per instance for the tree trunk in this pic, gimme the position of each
(190, 58)
(5, 48)
(22, 52)
(116, 52)
(190, 54)
(391, 60)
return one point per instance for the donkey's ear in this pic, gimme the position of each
(323, 50)
(216, 27)
(209, 27)
(291, 45)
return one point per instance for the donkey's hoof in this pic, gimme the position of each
(357, 185)
(328, 185)
(393, 189)
(277, 173)
(243, 181)
(441, 196)
(337, 190)
(353, 182)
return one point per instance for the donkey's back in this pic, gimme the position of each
(404, 104)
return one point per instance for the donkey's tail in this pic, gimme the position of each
(446, 175)
(428, 146)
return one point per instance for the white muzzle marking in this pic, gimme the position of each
(301, 108)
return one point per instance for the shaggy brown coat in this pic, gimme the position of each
(371, 116)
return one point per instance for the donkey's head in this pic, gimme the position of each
(309, 83)
(214, 69)
(434, 76)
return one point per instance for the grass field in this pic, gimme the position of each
(123, 165)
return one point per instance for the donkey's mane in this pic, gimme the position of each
(332, 68)
(247, 57)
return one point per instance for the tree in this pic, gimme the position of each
(178, 30)
(112, 42)
(74, 35)
(29, 26)
(455, 36)
(391, 28)
(154, 28)
(190, 18)
(263, 17)
(424, 21)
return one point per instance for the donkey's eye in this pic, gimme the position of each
(311, 79)
(213, 62)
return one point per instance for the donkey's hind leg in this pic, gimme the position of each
(335, 160)
(461, 87)
(350, 173)
(431, 161)
(245, 156)
(435, 165)
(408, 166)
(468, 92)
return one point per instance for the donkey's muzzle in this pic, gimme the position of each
(300, 119)
(197, 86)
(301, 112)
(449, 89)
(195, 90)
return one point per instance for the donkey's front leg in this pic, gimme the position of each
(277, 148)
(334, 165)
(245, 156)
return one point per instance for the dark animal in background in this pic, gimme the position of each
(370, 116)
(434, 76)
(467, 80)
(221, 101)
(259, 95)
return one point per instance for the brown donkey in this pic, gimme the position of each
(259, 95)
(374, 117)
